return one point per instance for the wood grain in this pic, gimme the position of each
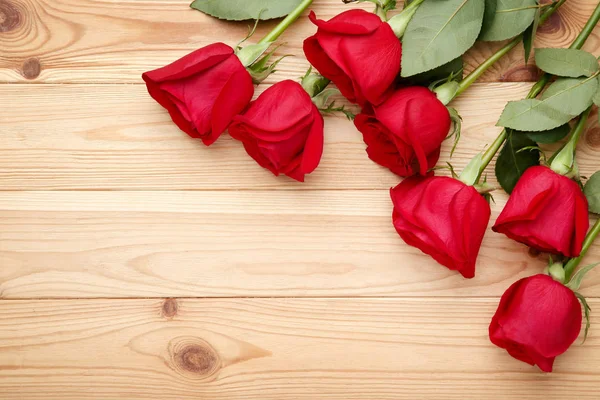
(240, 243)
(125, 246)
(273, 350)
(115, 41)
(93, 137)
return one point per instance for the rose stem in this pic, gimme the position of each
(563, 160)
(286, 22)
(477, 72)
(489, 154)
(587, 243)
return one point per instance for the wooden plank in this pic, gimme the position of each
(115, 41)
(233, 243)
(273, 350)
(116, 137)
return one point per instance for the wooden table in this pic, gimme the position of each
(137, 264)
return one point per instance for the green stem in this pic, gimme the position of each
(587, 243)
(287, 21)
(477, 72)
(564, 161)
(544, 80)
(587, 29)
(579, 127)
(489, 154)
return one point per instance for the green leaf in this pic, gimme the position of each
(592, 192)
(238, 10)
(571, 63)
(549, 136)
(586, 311)
(530, 33)
(512, 162)
(562, 101)
(511, 18)
(454, 68)
(440, 31)
(571, 95)
(596, 98)
(489, 13)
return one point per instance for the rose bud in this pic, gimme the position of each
(358, 52)
(202, 91)
(443, 217)
(405, 133)
(546, 211)
(282, 130)
(538, 319)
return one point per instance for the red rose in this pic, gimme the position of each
(546, 211)
(358, 52)
(202, 91)
(405, 133)
(442, 217)
(538, 319)
(282, 130)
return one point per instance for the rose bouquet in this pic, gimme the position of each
(401, 73)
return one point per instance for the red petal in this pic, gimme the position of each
(282, 106)
(431, 214)
(544, 316)
(546, 211)
(351, 22)
(190, 64)
(232, 100)
(373, 62)
(582, 224)
(313, 149)
(322, 52)
(176, 109)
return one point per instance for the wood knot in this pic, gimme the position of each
(10, 16)
(592, 137)
(552, 24)
(193, 357)
(522, 73)
(31, 68)
(169, 308)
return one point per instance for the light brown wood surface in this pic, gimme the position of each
(110, 41)
(135, 263)
(233, 243)
(272, 349)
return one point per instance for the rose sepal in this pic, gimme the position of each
(261, 69)
(586, 313)
(314, 84)
(470, 174)
(249, 54)
(557, 272)
(400, 21)
(321, 100)
(575, 281)
(456, 127)
(381, 6)
(447, 91)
